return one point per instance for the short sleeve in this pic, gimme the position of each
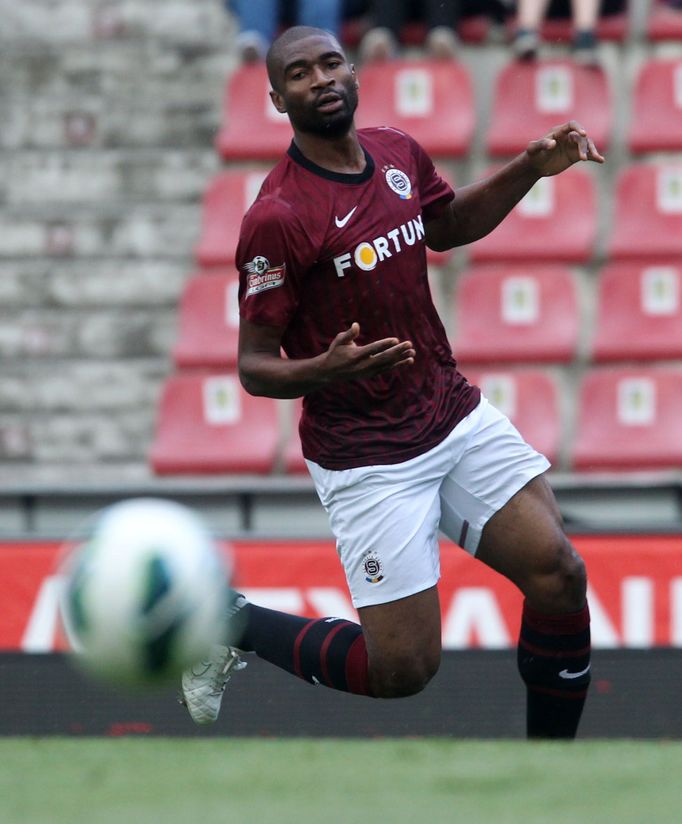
(434, 191)
(273, 255)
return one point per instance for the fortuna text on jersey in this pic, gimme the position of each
(367, 254)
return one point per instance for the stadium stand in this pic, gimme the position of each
(208, 321)
(664, 22)
(542, 94)
(656, 121)
(251, 131)
(610, 27)
(209, 424)
(639, 313)
(432, 101)
(225, 201)
(472, 28)
(106, 195)
(530, 398)
(508, 313)
(629, 419)
(555, 221)
(648, 213)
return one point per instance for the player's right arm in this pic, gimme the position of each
(263, 370)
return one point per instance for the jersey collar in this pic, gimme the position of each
(338, 177)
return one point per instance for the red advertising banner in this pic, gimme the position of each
(635, 591)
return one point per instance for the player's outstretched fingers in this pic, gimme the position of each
(401, 354)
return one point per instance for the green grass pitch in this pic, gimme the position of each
(331, 781)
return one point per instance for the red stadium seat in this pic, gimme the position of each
(225, 201)
(639, 313)
(648, 214)
(516, 313)
(555, 221)
(664, 23)
(656, 122)
(530, 400)
(629, 419)
(209, 424)
(208, 323)
(252, 128)
(430, 100)
(530, 98)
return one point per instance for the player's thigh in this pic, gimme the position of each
(385, 521)
(525, 541)
(494, 466)
(403, 640)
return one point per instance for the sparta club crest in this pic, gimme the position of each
(399, 182)
(373, 569)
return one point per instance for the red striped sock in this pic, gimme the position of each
(328, 651)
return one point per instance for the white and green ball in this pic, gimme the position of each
(145, 593)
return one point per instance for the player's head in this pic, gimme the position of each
(313, 82)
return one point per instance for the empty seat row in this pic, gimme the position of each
(434, 102)
(501, 313)
(556, 220)
(626, 419)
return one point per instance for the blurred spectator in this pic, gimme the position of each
(441, 18)
(585, 16)
(260, 21)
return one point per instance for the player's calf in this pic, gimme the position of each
(554, 647)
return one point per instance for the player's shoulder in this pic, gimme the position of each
(386, 136)
(388, 144)
(274, 203)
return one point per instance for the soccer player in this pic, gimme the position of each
(332, 260)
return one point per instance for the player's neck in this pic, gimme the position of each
(343, 155)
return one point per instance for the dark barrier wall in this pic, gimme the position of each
(476, 694)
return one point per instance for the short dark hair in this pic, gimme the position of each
(273, 58)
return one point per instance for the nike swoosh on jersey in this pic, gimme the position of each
(340, 223)
(566, 674)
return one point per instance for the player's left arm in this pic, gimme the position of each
(481, 206)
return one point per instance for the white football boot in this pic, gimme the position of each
(203, 684)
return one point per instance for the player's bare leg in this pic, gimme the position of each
(525, 541)
(403, 641)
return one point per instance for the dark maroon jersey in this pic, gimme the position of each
(319, 250)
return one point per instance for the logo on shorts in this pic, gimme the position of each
(399, 182)
(373, 569)
(262, 276)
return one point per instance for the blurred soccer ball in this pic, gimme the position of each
(145, 593)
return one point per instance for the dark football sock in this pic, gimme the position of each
(554, 662)
(328, 651)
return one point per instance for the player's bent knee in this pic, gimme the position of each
(562, 584)
(401, 676)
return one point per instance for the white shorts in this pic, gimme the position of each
(386, 518)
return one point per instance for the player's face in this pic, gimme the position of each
(318, 88)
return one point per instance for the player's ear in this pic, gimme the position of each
(278, 102)
(355, 75)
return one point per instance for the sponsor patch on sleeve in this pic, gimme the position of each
(261, 275)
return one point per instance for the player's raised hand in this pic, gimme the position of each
(345, 359)
(562, 147)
